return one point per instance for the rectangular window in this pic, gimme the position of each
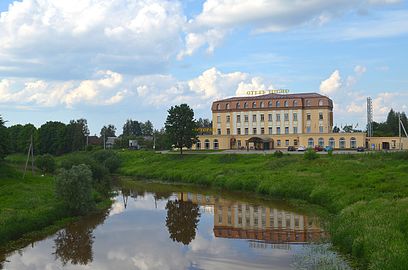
(254, 131)
(278, 130)
(308, 117)
(246, 118)
(228, 118)
(239, 131)
(320, 116)
(295, 142)
(294, 116)
(239, 143)
(228, 131)
(278, 142)
(238, 118)
(219, 131)
(218, 119)
(278, 117)
(254, 118)
(308, 129)
(270, 130)
(262, 130)
(295, 130)
(287, 142)
(246, 131)
(262, 118)
(286, 115)
(270, 117)
(321, 129)
(286, 130)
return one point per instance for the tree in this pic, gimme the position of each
(204, 123)
(108, 131)
(46, 163)
(77, 131)
(390, 126)
(131, 128)
(147, 128)
(181, 127)
(4, 138)
(52, 138)
(348, 128)
(336, 129)
(162, 140)
(181, 221)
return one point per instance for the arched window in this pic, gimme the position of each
(227, 106)
(286, 104)
(342, 143)
(277, 103)
(310, 142)
(207, 144)
(238, 105)
(332, 143)
(270, 104)
(261, 105)
(215, 144)
(218, 107)
(254, 104)
(198, 145)
(320, 102)
(245, 105)
(308, 103)
(353, 142)
(321, 142)
(295, 103)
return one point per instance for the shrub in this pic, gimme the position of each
(278, 154)
(46, 163)
(89, 148)
(74, 188)
(108, 158)
(330, 153)
(113, 163)
(310, 154)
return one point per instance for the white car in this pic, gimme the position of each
(301, 148)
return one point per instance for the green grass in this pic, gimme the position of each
(367, 195)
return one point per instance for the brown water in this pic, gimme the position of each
(170, 227)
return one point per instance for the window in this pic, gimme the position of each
(246, 131)
(278, 117)
(308, 129)
(246, 118)
(353, 142)
(218, 107)
(286, 116)
(239, 143)
(238, 105)
(321, 142)
(286, 130)
(254, 104)
(270, 104)
(238, 118)
(218, 119)
(277, 103)
(245, 105)
(332, 142)
(215, 144)
(320, 102)
(286, 142)
(219, 131)
(295, 142)
(286, 104)
(254, 118)
(262, 117)
(270, 130)
(261, 105)
(295, 130)
(308, 103)
(207, 144)
(294, 116)
(239, 131)
(278, 130)
(198, 145)
(308, 117)
(270, 117)
(227, 106)
(254, 131)
(321, 129)
(295, 103)
(342, 143)
(320, 116)
(228, 131)
(262, 130)
(278, 142)
(228, 118)
(310, 142)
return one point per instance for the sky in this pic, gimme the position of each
(112, 60)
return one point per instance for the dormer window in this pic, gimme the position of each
(270, 104)
(286, 104)
(227, 106)
(261, 105)
(295, 103)
(277, 103)
(308, 103)
(245, 105)
(320, 102)
(254, 104)
(218, 107)
(238, 105)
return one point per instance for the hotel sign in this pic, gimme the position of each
(264, 92)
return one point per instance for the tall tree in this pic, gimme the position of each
(131, 128)
(52, 138)
(181, 126)
(147, 128)
(4, 138)
(108, 131)
(77, 130)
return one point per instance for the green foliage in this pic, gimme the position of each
(20, 137)
(330, 153)
(4, 139)
(181, 127)
(76, 133)
(89, 148)
(310, 154)
(278, 154)
(108, 131)
(108, 158)
(46, 163)
(74, 188)
(51, 138)
(390, 126)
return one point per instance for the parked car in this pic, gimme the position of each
(301, 148)
(328, 148)
(318, 148)
(360, 149)
(291, 148)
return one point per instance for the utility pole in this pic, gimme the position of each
(104, 140)
(399, 131)
(30, 153)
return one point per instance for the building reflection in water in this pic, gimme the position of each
(263, 226)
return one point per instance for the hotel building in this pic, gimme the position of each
(276, 121)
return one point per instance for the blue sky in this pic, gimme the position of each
(107, 60)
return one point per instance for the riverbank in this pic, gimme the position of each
(366, 194)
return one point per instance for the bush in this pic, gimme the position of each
(109, 159)
(89, 148)
(74, 188)
(278, 154)
(330, 153)
(46, 163)
(310, 154)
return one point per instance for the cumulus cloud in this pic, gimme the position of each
(331, 84)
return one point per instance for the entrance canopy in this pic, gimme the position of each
(258, 140)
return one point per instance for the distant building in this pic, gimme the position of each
(134, 144)
(94, 140)
(110, 142)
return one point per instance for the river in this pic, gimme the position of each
(154, 226)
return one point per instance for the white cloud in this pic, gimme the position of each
(359, 70)
(331, 84)
(256, 83)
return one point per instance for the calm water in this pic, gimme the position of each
(169, 227)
